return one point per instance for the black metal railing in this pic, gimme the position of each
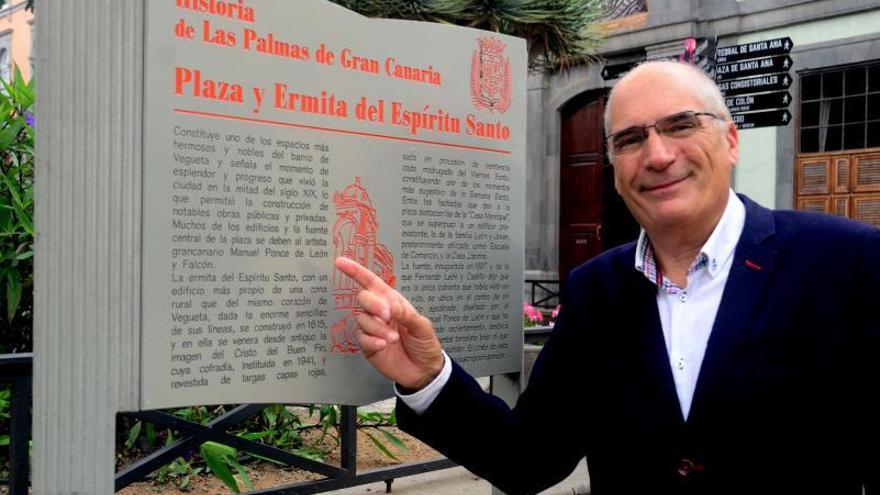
(17, 369)
(193, 434)
(544, 292)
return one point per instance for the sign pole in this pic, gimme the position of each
(87, 280)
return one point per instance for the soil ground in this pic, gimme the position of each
(267, 475)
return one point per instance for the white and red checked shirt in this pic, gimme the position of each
(686, 314)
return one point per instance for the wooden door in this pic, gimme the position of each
(581, 182)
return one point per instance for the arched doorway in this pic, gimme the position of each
(592, 216)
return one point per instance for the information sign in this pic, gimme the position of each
(281, 135)
(761, 119)
(745, 68)
(772, 82)
(765, 48)
(616, 70)
(763, 101)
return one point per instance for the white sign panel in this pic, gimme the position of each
(279, 135)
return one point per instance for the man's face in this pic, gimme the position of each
(671, 181)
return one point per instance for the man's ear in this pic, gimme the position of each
(732, 137)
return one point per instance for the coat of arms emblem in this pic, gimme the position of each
(490, 76)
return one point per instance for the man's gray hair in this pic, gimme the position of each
(704, 88)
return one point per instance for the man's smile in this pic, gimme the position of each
(663, 185)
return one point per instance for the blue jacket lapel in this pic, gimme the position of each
(652, 346)
(743, 295)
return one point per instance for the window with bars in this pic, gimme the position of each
(838, 168)
(840, 109)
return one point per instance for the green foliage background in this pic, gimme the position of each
(16, 214)
(559, 33)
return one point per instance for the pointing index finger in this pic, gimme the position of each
(363, 276)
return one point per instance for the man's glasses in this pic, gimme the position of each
(679, 125)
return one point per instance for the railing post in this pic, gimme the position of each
(349, 439)
(20, 435)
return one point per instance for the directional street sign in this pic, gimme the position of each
(617, 70)
(768, 65)
(777, 46)
(765, 101)
(761, 119)
(772, 82)
(753, 78)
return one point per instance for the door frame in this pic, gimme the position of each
(575, 104)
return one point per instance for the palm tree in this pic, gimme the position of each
(559, 33)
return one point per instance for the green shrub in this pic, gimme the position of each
(16, 214)
(277, 425)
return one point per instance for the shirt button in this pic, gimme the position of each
(683, 297)
(681, 364)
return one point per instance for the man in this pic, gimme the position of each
(732, 349)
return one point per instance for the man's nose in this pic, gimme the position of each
(658, 153)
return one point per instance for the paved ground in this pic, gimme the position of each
(458, 481)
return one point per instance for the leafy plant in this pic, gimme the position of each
(277, 425)
(376, 421)
(559, 33)
(179, 471)
(16, 213)
(220, 459)
(5, 395)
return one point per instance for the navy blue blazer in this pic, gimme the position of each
(786, 400)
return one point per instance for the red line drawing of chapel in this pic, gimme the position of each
(354, 236)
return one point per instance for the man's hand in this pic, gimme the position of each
(395, 338)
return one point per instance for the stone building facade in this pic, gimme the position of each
(827, 158)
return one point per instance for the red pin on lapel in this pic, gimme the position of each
(754, 266)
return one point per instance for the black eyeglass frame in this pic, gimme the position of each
(644, 128)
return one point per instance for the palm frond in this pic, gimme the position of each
(559, 33)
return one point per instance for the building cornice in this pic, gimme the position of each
(11, 9)
(724, 18)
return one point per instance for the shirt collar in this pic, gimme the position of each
(721, 244)
(714, 254)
